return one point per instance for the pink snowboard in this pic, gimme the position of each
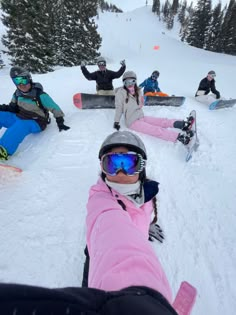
(10, 167)
(185, 299)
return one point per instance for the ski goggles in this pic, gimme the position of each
(130, 163)
(212, 75)
(21, 80)
(154, 77)
(129, 82)
(102, 64)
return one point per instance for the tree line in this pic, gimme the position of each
(43, 34)
(202, 26)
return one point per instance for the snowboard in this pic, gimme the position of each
(93, 101)
(164, 100)
(185, 299)
(194, 143)
(222, 104)
(10, 168)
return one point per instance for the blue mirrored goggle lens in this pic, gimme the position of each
(129, 82)
(21, 80)
(130, 163)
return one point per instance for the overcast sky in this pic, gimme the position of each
(128, 5)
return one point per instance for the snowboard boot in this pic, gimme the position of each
(186, 137)
(188, 123)
(184, 124)
(3, 154)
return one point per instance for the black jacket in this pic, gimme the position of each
(28, 300)
(207, 86)
(103, 78)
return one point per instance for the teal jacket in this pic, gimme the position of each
(34, 105)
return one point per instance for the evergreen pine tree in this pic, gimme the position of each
(175, 6)
(154, 5)
(28, 39)
(227, 35)
(79, 38)
(158, 8)
(199, 24)
(213, 33)
(182, 12)
(230, 43)
(166, 10)
(186, 21)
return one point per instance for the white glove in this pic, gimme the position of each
(83, 63)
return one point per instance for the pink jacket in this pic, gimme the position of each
(120, 253)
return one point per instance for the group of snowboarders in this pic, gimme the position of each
(28, 110)
(122, 274)
(128, 101)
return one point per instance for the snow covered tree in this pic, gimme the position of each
(182, 12)
(214, 30)
(77, 37)
(185, 23)
(170, 20)
(28, 39)
(166, 10)
(175, 6)
(156, 7)
(227, 40)
(199, 23)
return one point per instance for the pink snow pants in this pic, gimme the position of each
(156, 127)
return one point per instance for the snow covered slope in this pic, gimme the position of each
(42, 211)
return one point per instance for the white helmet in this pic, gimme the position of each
(129, 75)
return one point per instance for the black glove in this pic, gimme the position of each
(155, 232)
(218, 95)
(12, 107)
(60, 124)
(122, 63)
(116, 126)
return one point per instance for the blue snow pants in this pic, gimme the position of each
(17, 130)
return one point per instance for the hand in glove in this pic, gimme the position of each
(122, 63)
(60, 124)
(217, 95)
(155, 232)
(83, 63)
(116, 126)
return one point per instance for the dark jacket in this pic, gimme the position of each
(33, 105)
(103, 78)
(28, 300)
(207, 86)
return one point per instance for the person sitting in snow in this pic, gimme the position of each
(27, 112)
(206, 86)
(150, 85)
(128, 101)
(103, 76)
